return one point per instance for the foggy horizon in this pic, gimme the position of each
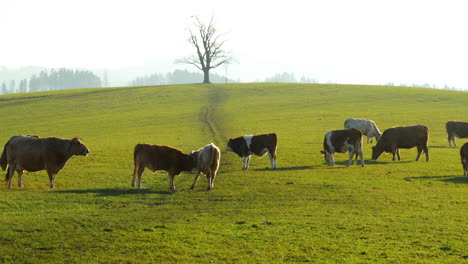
(363, 42)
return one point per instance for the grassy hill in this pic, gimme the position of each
(386, 212)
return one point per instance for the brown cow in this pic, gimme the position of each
(464, 158)
(407, 137)
(156, 157)
(32, 153)
(342, 141)
(207, 160)
(456, 129)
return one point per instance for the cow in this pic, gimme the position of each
(456, 129)
(367, 127)
(464, 158)
(207, 162)
(342, 141)
(407, 137)
(157, 157)
(258, 144)
(32, 153)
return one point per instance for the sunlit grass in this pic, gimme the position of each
(386, 212)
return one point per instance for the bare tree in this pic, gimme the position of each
(209, 48)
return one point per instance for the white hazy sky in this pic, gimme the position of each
(359, 41)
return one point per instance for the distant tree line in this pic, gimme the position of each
(289, 77)
(425, 85)
(49, 80)
(177, 77)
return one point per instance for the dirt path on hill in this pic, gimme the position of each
(211, 115)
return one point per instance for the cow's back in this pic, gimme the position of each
(264, 141)
(405, 137)
(208, 158)
(457, 128)
(154, 157)
(28, 152)
(361, 124)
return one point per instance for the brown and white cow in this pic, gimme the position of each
(456, 129)
(207, 162)
(259, 145)
(156, 157)
(406, 137)
(367, 127)
(464, 158)
(32, 153)
(342, 141)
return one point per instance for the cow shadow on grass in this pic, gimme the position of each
(285, 168)
(115, 191)
(369, 162)
(447, 178)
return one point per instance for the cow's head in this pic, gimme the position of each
(329, 159)
(229, 146)
(194, 155)
(376, 151)
(77, 147)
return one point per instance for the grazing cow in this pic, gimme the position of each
(259, 145)
(342, 141)
(32, 153)
(155, 157)
(464, 158)
(207, 160)
(407, 137)
(367, 127)
(456, 129)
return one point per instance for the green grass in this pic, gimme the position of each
(386, 212)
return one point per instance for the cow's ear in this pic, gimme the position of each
(322, 152)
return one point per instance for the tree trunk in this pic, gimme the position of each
(206, 76)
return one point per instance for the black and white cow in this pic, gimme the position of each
(464, 158)
(342, 141)
(259, 145)
(457, 129)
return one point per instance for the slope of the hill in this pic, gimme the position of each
(386, 212)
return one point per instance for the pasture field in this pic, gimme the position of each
(304, 211)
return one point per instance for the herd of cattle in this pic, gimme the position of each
(32, 153)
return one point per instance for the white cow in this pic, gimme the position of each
(367, 127)
(207, 161)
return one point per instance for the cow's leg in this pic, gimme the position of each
(272, 160)
(361, 156)
(426, 151)
(465, 168)
(51, 179)
(451, 138)
(351, 155)
(140, 173)
(171, 181)
(197, 176)
(209, 179)
(419, 152)
(20, 178)
(135, 174)
(11, 172)
(246, 162)
(398, 154)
